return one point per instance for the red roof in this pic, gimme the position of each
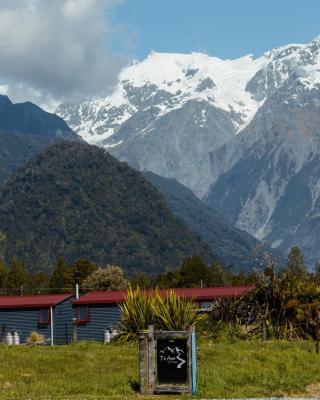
(198, 294)
(48, 300)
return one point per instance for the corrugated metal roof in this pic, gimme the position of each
(198, 294)
(48, 300)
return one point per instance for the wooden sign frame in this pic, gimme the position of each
(149, 383)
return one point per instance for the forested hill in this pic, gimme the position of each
(75, 200)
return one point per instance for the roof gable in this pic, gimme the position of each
(198, 294)
(35, 301)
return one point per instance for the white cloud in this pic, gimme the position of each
(56, 50)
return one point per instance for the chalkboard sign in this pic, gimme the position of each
(167, 361)
(172, 361)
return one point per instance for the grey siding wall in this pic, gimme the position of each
(24, 320)
(102, 316)
(62, 318)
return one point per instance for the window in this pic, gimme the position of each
(205, 305)
(44, 316)
(83, 314)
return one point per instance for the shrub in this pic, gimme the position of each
(141, 309)
(109, 278)
(175, 313)
(35, 338)
(136, 313)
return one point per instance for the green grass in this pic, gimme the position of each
(94, 371)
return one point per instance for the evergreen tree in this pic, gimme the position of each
(81, 270)
(40, 281)
(168, 280)
(18, 278)
(3, 243)
(141, 280)
(194, 272)
(295, 270)
(58, 277)
(3, 274)
(316, 274)
(220, 276)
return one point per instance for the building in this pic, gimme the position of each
(98, 312)
(50, 315)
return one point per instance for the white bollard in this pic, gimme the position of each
(107, 336)
(16, 337)
(9, 339)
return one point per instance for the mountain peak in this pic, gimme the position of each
(5, 101)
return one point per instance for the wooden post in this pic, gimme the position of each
(151, 359)
(74, 330)
(4, 331)
(164, 381)
(51, 326)
(194, 361)
(143, 363)
(264, 330)
(317, 332)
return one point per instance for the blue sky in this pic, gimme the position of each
(224, 28)
(83, 44)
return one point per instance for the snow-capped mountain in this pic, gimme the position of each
(244, 134)
(169, 112)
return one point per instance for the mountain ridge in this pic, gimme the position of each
(236, 132)
(25, 130)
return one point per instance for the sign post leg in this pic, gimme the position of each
(194, 361)
(151, 359)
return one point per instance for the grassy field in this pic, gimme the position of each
(94, 371)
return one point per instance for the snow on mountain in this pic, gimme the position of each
(269, 182)
(238, 132)
(198, 76)
(202, 98)
(180, 78)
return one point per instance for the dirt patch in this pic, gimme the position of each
(313, 390)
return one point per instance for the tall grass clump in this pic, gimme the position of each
(137, 313)
(141, 309)
(175, 313)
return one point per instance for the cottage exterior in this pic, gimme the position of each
(98, 312)
(50, 315)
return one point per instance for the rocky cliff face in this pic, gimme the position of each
(270, 182)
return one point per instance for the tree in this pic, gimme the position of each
(194, 272)
(3, 274)
(18, 277)
(141, 280)
(40, 281)
(81, 270)
(220, 276)
(168, 280)
(58, 277)
(109, 278)
(316, 274)
(3, 243)
(295, 270)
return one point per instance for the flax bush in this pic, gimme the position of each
(136, 313)
(175, 313)
(144, 308)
